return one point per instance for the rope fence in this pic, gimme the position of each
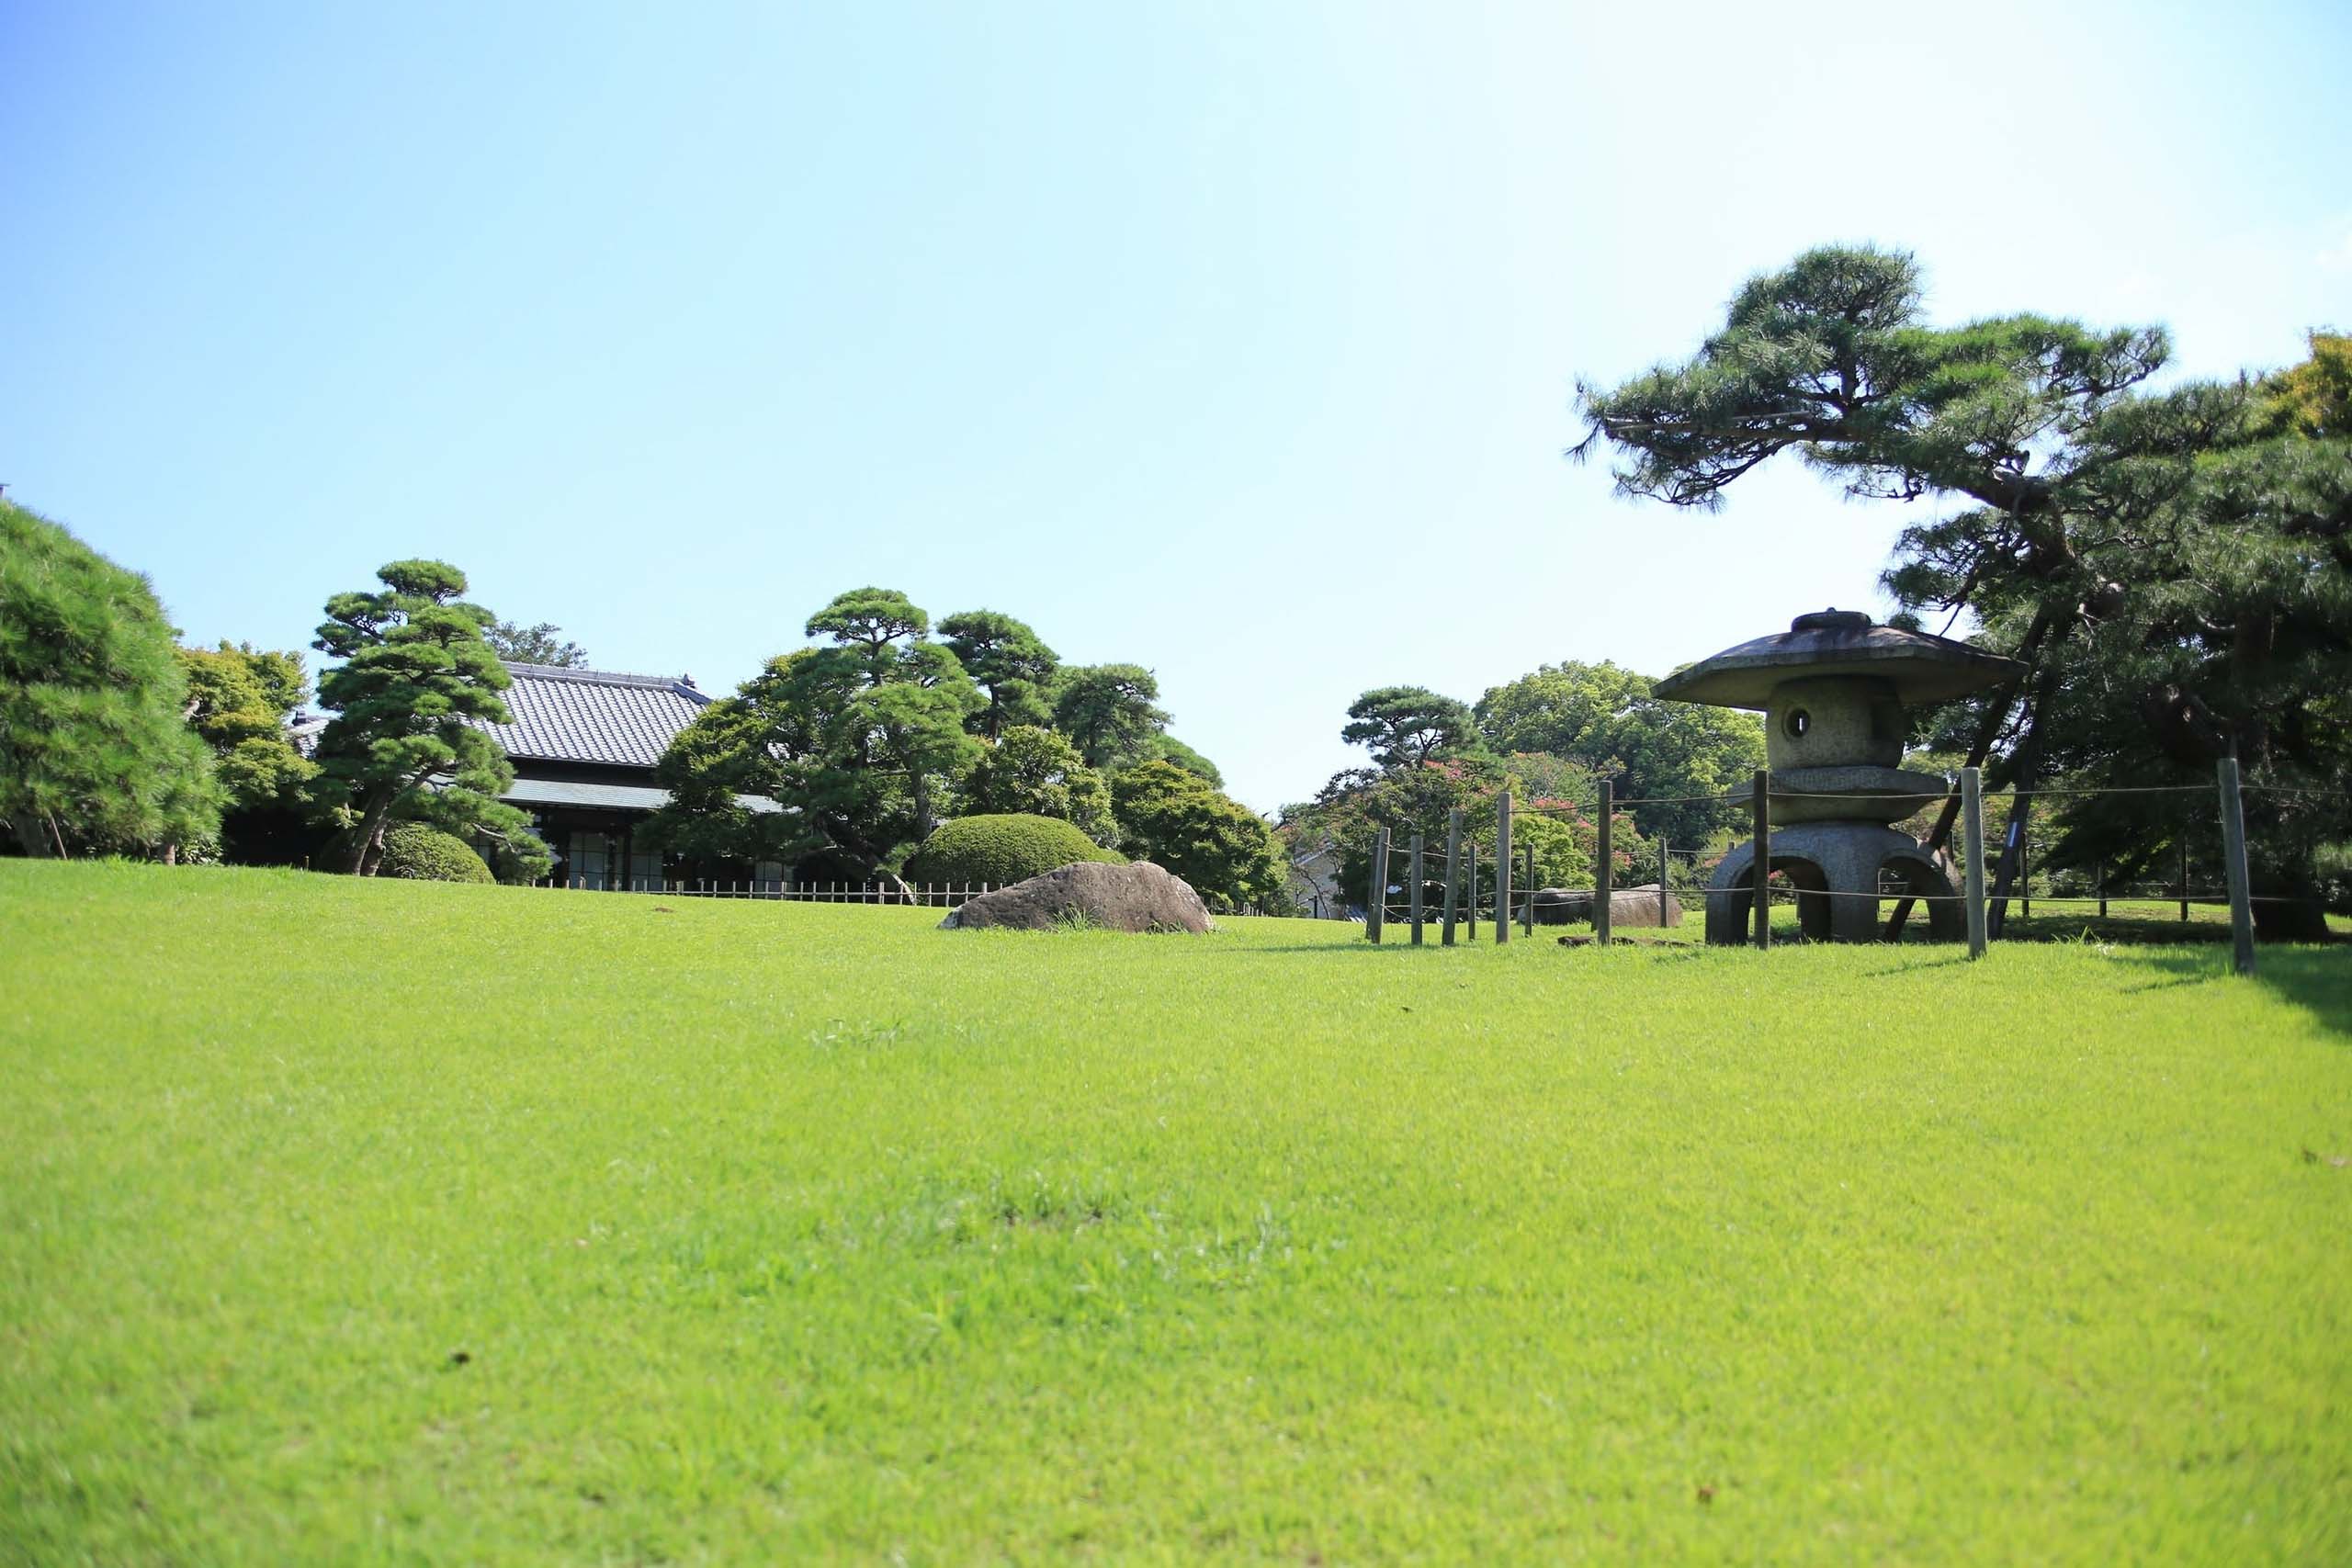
(1472, 876)
(1555, 808)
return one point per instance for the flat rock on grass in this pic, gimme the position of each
(1138, 896)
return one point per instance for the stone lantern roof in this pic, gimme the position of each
(1922, 669)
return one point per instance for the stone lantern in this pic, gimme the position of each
(1833, 688)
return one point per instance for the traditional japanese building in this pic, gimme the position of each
(583, 746)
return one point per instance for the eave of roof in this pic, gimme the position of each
(613, 797)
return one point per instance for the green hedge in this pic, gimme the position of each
(428, 854)
(998, 850)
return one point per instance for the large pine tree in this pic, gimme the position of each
(863, 741)
(415, 668)
(95, 753)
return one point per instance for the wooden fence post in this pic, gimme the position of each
(1971, 812)
(1604, 863)
(1664, 866)
(1416, 902)
(1452, 873)
(1375, 909)
(1470, 887)
(1502, 868)
(2184, 878)
(1763, 877)
(2234, 864)
(1527, 889)
(2098, 885)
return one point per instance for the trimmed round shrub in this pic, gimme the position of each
(428, 854)
(1001, 850)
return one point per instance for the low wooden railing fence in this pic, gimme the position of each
(923, 895)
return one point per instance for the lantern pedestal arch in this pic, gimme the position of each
(1840, 871)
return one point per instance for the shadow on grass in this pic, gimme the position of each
(1358, 945)
(2139, 930)
(1661, 949)
(2317, 979)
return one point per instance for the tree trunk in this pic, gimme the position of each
(2026, 773)
(368, 847)
(32, 832)
(375, 851)
(1986, 733)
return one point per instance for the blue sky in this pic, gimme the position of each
(1181, 332)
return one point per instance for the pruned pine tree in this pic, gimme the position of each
(2206, 603)
(1109, 712)
(863, 743)
(1830, 358)
(2171, 568)
(1404, 726)
(542, 644)
(1010, 662)
(735, 747)
(876, 622)
(416, 669)
(913, 728)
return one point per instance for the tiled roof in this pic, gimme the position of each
(592, 716)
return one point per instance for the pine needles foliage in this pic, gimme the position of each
(95, 752)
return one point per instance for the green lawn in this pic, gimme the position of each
(349, 1222)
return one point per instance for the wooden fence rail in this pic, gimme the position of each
(922, 894)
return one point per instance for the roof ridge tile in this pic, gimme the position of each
(575, 674)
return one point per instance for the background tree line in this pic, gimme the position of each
(114, 739)
(2173, 567)
(1547, 737)
(882, 730)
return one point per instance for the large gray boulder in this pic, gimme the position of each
(1561, 905)
(1638, 907)
(1138, 896)
(1627, 907)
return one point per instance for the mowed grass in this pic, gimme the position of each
(387, 1221)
